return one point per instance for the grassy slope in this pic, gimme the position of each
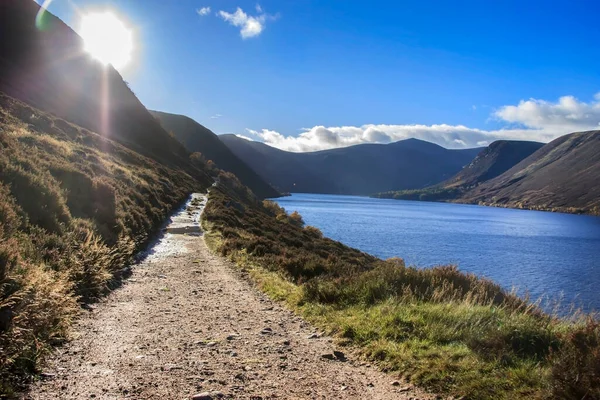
(491, 162)
(74, 207)
(43, 63)
(448, 331)
(561, 176)
(197, 138)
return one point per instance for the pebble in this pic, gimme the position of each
(203, 396)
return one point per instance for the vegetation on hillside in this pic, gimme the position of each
(198, 139)
(74, 209)
(427, 194)
(492, 161)
(361, 169)
(448, 331)
(561, 176)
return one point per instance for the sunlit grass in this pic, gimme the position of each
(74, 209)
(449, 332)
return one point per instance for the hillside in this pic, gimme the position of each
(44, 65)
(492, 161)
(360, 170)
(448, 331)
(561, 176)
(197, 138)
(87, 178)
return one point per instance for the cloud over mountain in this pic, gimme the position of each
(537, 120)
(250, 26)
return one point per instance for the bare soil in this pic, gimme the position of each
(187, 324)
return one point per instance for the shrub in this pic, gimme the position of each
(296, 219)
(38, 194)
(313, 231)
(576, 365)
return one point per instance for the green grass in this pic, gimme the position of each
(450, 332)
(74, 209)
(426, 194)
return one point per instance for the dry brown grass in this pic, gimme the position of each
(74, 209)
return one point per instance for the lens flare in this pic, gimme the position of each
(107, 38)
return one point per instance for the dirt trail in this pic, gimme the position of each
(186, 324)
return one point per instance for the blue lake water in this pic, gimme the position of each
(547, 254)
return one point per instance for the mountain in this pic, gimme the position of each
(43, 63)
(280, 168)
(197, 138)
(562, 176)
(361, 170)
(492, 161)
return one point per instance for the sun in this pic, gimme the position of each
(107, 38)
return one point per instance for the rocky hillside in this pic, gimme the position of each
(197, 138)
(362, 169)
(492, 161)
(561, 176)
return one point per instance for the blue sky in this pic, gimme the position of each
(319, 74)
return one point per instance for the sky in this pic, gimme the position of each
(305, 75)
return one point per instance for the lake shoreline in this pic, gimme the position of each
(522, 242)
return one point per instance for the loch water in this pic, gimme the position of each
(554, 256)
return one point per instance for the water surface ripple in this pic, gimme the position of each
(547, 254)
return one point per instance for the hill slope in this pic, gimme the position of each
(87, 177)
(492, 161)
(563, 175)
(44, 64)
(361, 169)
(197, 138)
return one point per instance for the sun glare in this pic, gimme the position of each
(107, 38)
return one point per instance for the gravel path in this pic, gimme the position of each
(186, 325)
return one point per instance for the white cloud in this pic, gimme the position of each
(537, 120)
(216, 116)
(566, 115)
(250, 26)
(244, 137)
(204, 11)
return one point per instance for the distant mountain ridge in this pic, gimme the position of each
(564, 175)
(197, 138)
(492, 161)
(360, 170)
